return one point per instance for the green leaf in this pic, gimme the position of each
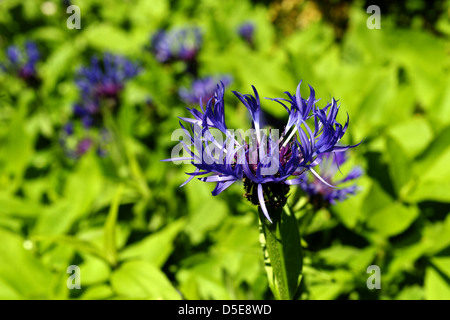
(413, 292)
(17, 148)
(437, 236)
(420, 64)
(436, 190)
(84, 183)
(414, 135)
(399, 166)
(201, 278)
(80, 245)
(110, 228)
(404, 259)
(156, 247)
(56, 218)
(98, 292)
(80, 191)
(349, 212)
(95, 236)
(7, 291)
(433, 152)
(23, 272)
(377, 199)
(433, 179)
(237, 246)
(442, 112)
(149, 15)
(205, 212)
(440, 169)
(392, 219)
(283, 255)
(376, 104)
(107, 37)
(232, 263)
(15, 206)
(142, 280)
(94, 270)
(437, 283)
(327, 284)
(443, 264)
(57, 63)
(338, 255)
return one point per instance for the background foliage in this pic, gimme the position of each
(123, 218)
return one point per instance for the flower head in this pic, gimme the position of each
(322, 194)
(76, 141)
(100, 85)
(177, 44)
(202, 88)
(106, 79)
(268, 162)
(83, 146)
(246, 32)
(101, 82)
(68, 128)
(23, 62)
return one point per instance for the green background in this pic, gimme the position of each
(123, 218)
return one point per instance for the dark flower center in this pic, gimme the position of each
(275, 194)
(109, 90)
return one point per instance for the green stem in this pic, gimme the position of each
(124, 154)
(283, 257)
(110, 228)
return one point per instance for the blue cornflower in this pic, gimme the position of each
(73, 146)
(178, 44)
(268, 163)
(105, 80)
(68, 128)
(23, 62)
(246, 31)
(87, 112)
(322, 194)
(83, 146)
(202, 88)
(76, 143)
(100, 85)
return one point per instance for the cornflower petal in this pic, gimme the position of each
(262, 202)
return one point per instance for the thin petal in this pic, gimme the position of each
(177, 159)
(221, 186)
(190, 178)
(262, 203)
(217, 178)
(321, 179)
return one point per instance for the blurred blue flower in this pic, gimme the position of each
(106, 79)
(73, 145)
(83, 146)
(68, 128)
(22, 63)
(87, 112)
(268, 160)
(322, 194)
(100, 82)
(77, 141)
(246, 31)
(202, 88)
(178, 44)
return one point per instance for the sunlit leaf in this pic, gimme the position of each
(142, 280)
